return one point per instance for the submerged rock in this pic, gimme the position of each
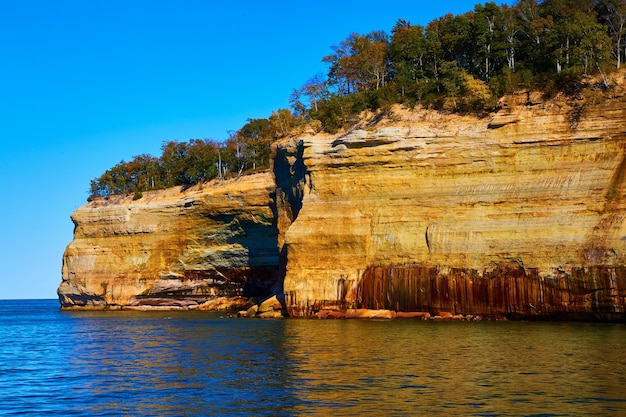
(363, 313)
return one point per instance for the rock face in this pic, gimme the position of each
(173, 249)
(519, 215)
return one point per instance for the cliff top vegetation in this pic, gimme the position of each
(461, 63)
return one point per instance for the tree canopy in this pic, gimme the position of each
(462, 63)
(197, 160)
(466, 62)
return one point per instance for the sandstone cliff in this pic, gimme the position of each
(518, 215)
(173, 248)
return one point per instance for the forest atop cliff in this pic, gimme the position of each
(461, 63)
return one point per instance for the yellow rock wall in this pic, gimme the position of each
(173, 248)
(517, 215)
(534, 193)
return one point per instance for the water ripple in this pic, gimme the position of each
(195, 364)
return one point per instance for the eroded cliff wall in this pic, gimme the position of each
(173, 248)
(516, 215)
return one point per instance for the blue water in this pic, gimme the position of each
(199, 364)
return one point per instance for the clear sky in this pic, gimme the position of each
(85, 84)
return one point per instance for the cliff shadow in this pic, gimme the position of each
(259, 255)
(290, 180)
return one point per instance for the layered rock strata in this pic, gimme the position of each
(519, 215)
(174, 248)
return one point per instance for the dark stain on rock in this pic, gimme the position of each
(504, 290)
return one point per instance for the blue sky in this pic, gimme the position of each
(85, 84)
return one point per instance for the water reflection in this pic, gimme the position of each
(197, 364)
(408, 368)
(181, 364)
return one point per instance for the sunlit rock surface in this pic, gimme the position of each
(517, 215)
(173, 248)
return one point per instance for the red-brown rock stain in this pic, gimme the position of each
(504, 290)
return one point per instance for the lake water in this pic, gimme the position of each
(199, 364)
